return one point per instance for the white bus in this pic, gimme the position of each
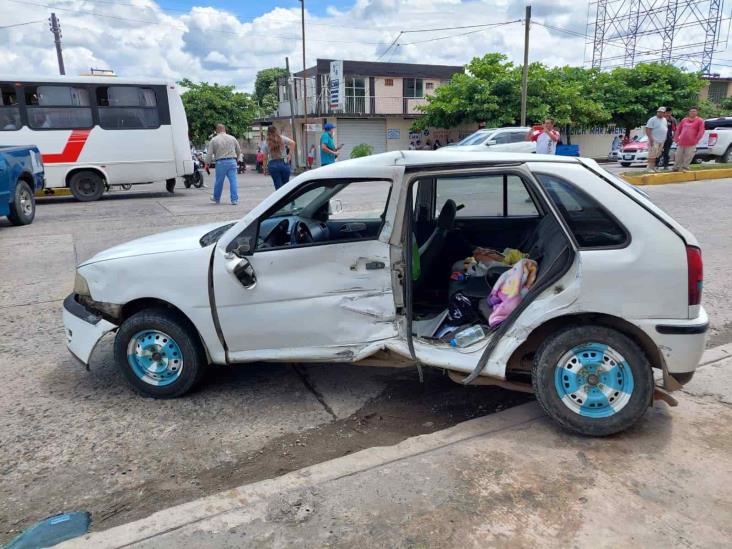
(98, 131)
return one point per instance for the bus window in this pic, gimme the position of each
(9, 110)
(58, 107)
(127, 108)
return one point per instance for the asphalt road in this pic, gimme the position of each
(76, 439)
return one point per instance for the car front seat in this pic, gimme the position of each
(430, 251)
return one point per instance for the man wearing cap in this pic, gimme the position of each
(328, 150)
(656, 130)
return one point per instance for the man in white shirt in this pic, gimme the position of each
(546, 139)
(656, 130)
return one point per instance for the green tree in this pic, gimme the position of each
(633, 95)
(265, 88)
(209, 104)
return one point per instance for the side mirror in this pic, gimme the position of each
(335, 206)
(490, 142)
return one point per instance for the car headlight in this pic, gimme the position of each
(81, 287)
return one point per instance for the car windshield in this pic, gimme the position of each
(477, 138)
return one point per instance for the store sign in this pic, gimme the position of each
(313, 128)
(337, 86)
(393, 133)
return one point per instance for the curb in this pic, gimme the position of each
(677, 177)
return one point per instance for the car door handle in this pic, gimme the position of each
(375, 265)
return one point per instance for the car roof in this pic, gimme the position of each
(447, 155)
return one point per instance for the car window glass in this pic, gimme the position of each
(501, 138)
(362, 200)
(58, 107)
(482, 195)
(518, 137)
(590, 223)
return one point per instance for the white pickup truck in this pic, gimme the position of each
(716, 143)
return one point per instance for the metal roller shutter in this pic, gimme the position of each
(350, 132)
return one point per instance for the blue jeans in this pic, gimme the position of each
(226, 168)
(280, 172)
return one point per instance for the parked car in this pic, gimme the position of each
(498, 139)
(635, 152)
(351, 263)
(21, 175)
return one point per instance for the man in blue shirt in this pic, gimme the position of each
(328, 150)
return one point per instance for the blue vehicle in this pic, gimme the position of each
(21, 175)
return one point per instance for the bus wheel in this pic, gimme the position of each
(170, 185)
(86, 186)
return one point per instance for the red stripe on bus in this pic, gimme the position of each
(71, 151)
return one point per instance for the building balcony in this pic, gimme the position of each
(356, 105)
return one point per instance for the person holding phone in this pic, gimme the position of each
(328, 149)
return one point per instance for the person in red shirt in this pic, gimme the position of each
(688, 133)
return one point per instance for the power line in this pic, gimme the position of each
(22, 24)
(390, 45)
(461, 34)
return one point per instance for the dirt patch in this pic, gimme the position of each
(403, 410)
(719, 336)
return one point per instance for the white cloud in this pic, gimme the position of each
(138, 38)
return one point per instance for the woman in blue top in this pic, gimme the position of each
(328, 150)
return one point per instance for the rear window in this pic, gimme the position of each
(592, 225)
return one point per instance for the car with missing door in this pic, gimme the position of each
(352, 263)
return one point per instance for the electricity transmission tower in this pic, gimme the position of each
(622, 33)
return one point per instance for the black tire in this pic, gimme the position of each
(546, 375)
(625, 164)
(197, 179)
(86, 186)
(126, 186)
(726, 156)
(23, 206)
(170, 185)
(182, 334)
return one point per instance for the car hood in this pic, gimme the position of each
(170, 241)
(635, 148)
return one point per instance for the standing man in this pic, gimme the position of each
(688, 134)
(328, 150)
(670, 131)
(224, 148)
(656, 130)
(546, 139)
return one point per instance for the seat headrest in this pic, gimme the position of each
(446, 220)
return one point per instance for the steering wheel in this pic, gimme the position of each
(300, 234)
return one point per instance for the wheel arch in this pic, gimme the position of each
(140, 304)
(522, 357)
(76, 169)
(27, 177)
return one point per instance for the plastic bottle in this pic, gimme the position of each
(468, 336)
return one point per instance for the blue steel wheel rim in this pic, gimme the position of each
(155, 357)
(594, 380)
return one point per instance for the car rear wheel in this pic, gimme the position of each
(726, 156)
(23, 206)
(592, 380)
(86, 186)
(159, 354)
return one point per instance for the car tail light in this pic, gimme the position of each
(696, 274)
(712, 139)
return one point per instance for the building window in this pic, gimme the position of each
(388, 82)
(717, 92)
(355, 94)
(413, 87)
(429, 86)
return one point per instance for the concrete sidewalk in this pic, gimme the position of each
(507, 479)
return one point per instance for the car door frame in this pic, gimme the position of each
(248, 226)
(489, 358)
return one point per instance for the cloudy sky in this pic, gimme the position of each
(227, 41)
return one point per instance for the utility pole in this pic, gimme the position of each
(304, 85)
(55, 27)
(525, 76)
(291, 93)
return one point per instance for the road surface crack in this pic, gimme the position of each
(302, 372)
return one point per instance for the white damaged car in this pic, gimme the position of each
(355, 262)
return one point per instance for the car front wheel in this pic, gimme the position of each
(592, 380)
(159, 354)
(23, 205)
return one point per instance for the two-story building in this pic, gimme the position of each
(373, 103)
